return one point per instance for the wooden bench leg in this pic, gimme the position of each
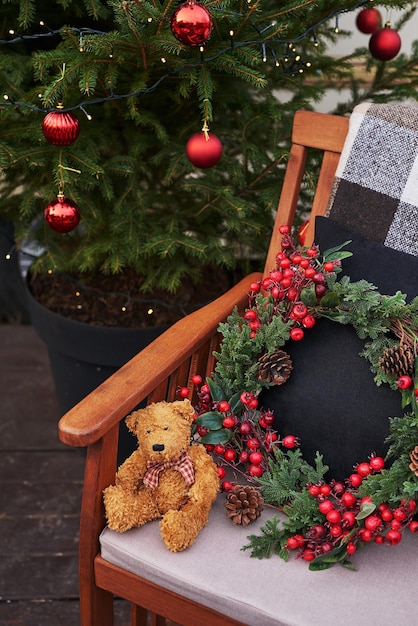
(142, 617)
(96, 608)
(139, 616)
(157, 620)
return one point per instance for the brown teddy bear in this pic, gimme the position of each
(168, 477)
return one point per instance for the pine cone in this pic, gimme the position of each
(413, 466)
(274, 368)
(398, 361)
(243, 504)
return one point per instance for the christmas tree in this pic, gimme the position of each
(158, 127)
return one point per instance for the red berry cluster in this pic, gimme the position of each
(405, 383)
(248, 435)
(347, 520)
(184, 392)
(297, 270)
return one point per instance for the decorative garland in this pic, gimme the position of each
(326, 519)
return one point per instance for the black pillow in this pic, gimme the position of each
(388, 269)
(331, 401)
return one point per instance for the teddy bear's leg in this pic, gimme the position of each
(179, 528)
(125, 510)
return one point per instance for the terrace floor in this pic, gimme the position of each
(40, 492)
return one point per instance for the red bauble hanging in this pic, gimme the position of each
(62, 214)
(385, 44)
(369, 21)
(60, 129)
(191, 23)
(204, 149)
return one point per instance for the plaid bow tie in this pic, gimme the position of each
(182, 464)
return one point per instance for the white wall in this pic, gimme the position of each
(346, 45)
(347, 21)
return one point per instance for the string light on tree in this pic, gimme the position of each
(204, 149)
(191, 23)
(62, 214)
(385, 43)
(60, 128)
(189, 31)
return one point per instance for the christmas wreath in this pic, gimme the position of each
(327, 520)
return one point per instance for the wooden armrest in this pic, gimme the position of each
(98, 412)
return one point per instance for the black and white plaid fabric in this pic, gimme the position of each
(375, 192)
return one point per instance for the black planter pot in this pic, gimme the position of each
(82, 356)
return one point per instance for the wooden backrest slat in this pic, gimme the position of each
(323, 191)
(289, 197)
(159, 392)
(310, 129)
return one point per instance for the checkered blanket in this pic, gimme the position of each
(375, 192)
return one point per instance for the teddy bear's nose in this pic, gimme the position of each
(158, 447)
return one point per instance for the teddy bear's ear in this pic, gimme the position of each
(183, 409)
(132, 420)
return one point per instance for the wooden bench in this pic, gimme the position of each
(213, 583)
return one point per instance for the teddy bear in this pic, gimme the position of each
(168, 477)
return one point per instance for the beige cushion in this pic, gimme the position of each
(269, 592)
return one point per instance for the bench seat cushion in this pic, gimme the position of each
(270, 592)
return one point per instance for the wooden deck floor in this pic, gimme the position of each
(40, 492)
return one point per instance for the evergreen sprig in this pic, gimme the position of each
(288, 475)
(237, 365)
(285, 486)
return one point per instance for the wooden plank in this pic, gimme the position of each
(39, 612)
(319, 130)
(30, 410)
(34, 576)
(323, 191)
(40, 492)
(31, 534)
(66, 464)
(157, 599)
(51, 498)
(288, 200)
(22, 345)
(49, 612)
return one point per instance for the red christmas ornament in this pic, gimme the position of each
(204, 149)
(385, 44)
(60, 129)
(191, 23)
(62, 214)
(369, 20)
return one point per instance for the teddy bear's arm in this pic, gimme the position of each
(206, 484)
(130, 473)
